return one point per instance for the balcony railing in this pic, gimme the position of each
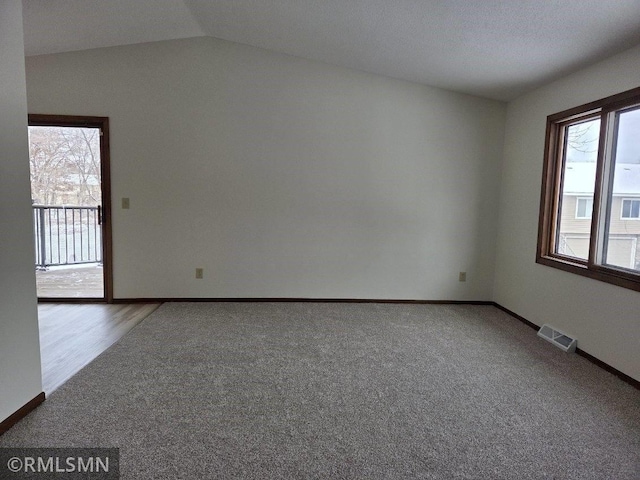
(67, 235)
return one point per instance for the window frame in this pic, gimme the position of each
(628, 199)
(588, 212)
(551, 198)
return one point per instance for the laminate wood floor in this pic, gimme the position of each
(72, 335)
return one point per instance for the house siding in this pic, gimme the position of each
(624, 235)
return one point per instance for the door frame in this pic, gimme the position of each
(42, 120)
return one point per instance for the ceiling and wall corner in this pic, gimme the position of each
(493, 48)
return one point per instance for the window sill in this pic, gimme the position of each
(610, 275)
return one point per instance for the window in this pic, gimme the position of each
(630, 209)
(584, 206)
(592, 174)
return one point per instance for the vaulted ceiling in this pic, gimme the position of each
(492, 48)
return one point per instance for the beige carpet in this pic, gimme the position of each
(286, 390)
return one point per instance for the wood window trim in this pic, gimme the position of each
(550, 200)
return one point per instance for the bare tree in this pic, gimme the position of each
(82, 148)
(47, 160)
(583, 137)
(65, 165)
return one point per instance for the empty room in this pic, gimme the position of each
(319, 239)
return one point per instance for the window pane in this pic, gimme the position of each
(588, 149)
(585, 208)
(579, 178)
(623, 219)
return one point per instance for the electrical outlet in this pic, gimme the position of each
(125, 203)
(462, 277)
(199, 273)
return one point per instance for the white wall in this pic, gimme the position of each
(283, 177)
(604, 318)
(20, 378)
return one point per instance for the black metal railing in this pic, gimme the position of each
(67, 235)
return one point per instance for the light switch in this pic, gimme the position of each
(125, 203)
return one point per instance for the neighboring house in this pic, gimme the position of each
(624, 225)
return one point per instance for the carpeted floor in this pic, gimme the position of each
(302, 390)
